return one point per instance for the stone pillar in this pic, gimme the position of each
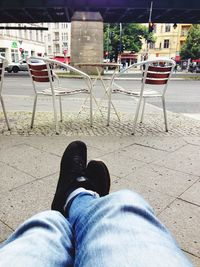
(87, 39)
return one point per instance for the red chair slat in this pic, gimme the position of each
(40, 79)
(39, 73)
(159, 69)
(157, 75)
(149, 81)
(37, 67)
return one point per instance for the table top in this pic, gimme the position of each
(102, 65)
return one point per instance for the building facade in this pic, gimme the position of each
(58, 40)
(19, 44)
(169, 40)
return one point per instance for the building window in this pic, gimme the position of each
(56, 36)
(166, 44)
(56, 25)
(14, 55)
(49, 50)
(20, 33)
(184, 31)
(64, 25)
(41, 36)
(31, 35)
(57, 48)
(7, 31)
(37, 36)
(167, 27)
(25, 34)
(49, 37)
(155, 28)
(3, 52)
(152, 45)
(64, 36)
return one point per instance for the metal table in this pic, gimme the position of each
(106, 86)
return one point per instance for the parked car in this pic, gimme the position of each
(19, 66)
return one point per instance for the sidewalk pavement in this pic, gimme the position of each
(163, 167)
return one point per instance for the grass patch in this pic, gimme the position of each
(195, 78)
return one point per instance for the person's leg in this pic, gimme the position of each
(115, 230)
(121, 230)
(45, 240)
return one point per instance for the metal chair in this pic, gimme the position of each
(156, 73)
(2, 70)
(42, 72)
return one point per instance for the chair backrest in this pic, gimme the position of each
(40, 72)
(157, 75)
(158, 72)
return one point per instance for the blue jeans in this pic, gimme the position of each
(119, 229)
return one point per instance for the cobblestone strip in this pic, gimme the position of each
(73, 125)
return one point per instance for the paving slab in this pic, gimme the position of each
(192, 194)
(30, 160)
(195, 140)
(120, 167)
(10, 141)
(183, 219)
(193, 259)
(8, 179)
(5, 231)
(159, 201)
(135, 156)
(27, 200)
(185, 159)
(162, 143)
(170, 182)
(160, 167)
(140, 153)
(107, 145)
(54, 145)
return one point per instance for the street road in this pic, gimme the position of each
(183, 96)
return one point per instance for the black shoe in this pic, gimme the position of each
(73, 166)
(99, 177)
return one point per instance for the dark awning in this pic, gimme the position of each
(168, 11)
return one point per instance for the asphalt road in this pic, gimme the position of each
(183, 96)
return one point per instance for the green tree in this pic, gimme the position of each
(131, 38)
(191, 48)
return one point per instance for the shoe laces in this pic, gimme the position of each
(78, 166)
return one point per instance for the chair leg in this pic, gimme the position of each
(136, 115)
(5, 114)
(91, 110)
(165, 114)
(60, 104)
(55, 114)
(109, 107)
(143, 108)
(34, 108)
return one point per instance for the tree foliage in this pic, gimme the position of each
(191, 48)
(130, 39)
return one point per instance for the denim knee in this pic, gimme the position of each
(129, 197)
